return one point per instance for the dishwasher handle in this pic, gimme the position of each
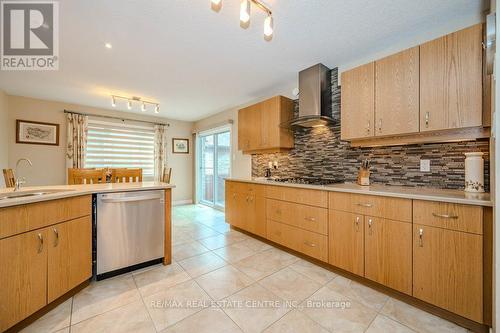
(131, 199)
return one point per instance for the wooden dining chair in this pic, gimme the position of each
(10, 179)
(86, 176)
(167, 175)
(126, 175)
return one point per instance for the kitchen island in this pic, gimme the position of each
(46, 244)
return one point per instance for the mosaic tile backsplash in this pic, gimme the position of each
(319, 153)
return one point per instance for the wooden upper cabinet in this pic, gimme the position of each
(259, 126)
(358, 102)
(397, 93)
(70, 256)
(451, 81)
(23, 276)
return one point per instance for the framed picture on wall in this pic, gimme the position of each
(37, 133)
(180, 146)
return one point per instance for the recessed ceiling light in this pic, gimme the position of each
(108, 46)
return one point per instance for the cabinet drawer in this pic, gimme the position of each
(314, 219)
(15, 220)
(306, 242)
(389, 208)
(298, 195)
(449, 216)
(246, 188)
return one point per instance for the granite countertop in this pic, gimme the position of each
(419, 193)
(66, 191)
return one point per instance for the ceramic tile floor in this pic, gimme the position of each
(224, 281)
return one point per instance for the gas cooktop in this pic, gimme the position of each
(308, 181)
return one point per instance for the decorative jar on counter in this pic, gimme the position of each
(474, 172)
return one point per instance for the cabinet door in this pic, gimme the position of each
(249, 128)
(256, 215)
(397, 93)
(451, 81)
(448, 270)
(23, 276)
(388, 253)
(70, 256)
(358, 102)
(346, 244)
(230, 202)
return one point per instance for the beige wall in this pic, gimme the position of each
(49, 165)
(4, 134)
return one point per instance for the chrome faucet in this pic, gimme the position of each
(21, 180)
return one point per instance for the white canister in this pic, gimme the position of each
(474, 172)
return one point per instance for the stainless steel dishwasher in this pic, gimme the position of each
(130, 231)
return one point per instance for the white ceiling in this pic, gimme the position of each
(197, 62)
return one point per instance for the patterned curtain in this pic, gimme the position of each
(160, 151)
(76, 140)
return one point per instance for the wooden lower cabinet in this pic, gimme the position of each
(310, 243)
(448, 270)
(245, 208)
(23, 276)
(346, 241)
(70, 256)
(388, 253)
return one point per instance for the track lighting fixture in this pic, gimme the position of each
(245, 9)
(245, 13)
(134, 99)
(216, 5)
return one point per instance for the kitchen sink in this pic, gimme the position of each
(25, 194)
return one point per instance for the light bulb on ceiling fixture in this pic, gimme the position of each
(143, 107)
(245, 13)
(268, 28)
(216, 5)
(157, 108)
(129, 104)
(113, 101)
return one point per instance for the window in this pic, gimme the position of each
(120, 145)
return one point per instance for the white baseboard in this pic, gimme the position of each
(182, 202)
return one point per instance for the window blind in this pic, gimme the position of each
(117, 145)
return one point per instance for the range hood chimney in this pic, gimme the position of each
(315, 98)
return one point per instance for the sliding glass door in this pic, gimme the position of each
(214, 160)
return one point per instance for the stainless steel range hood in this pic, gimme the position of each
(315, 99)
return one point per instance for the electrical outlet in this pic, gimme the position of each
(425, 165)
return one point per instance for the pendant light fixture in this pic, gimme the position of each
(135, 99)
(245, 12)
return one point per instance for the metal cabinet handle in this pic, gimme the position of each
(357, 223)
(368, 205)
(40, 243)
(370, 230)
(312, 219)
(310, 244)
(445, 216)
(427, 115)
(368, 127)
(421, 237)
(380, 125)
(234, 195)
(56, 242)
(247, 198)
